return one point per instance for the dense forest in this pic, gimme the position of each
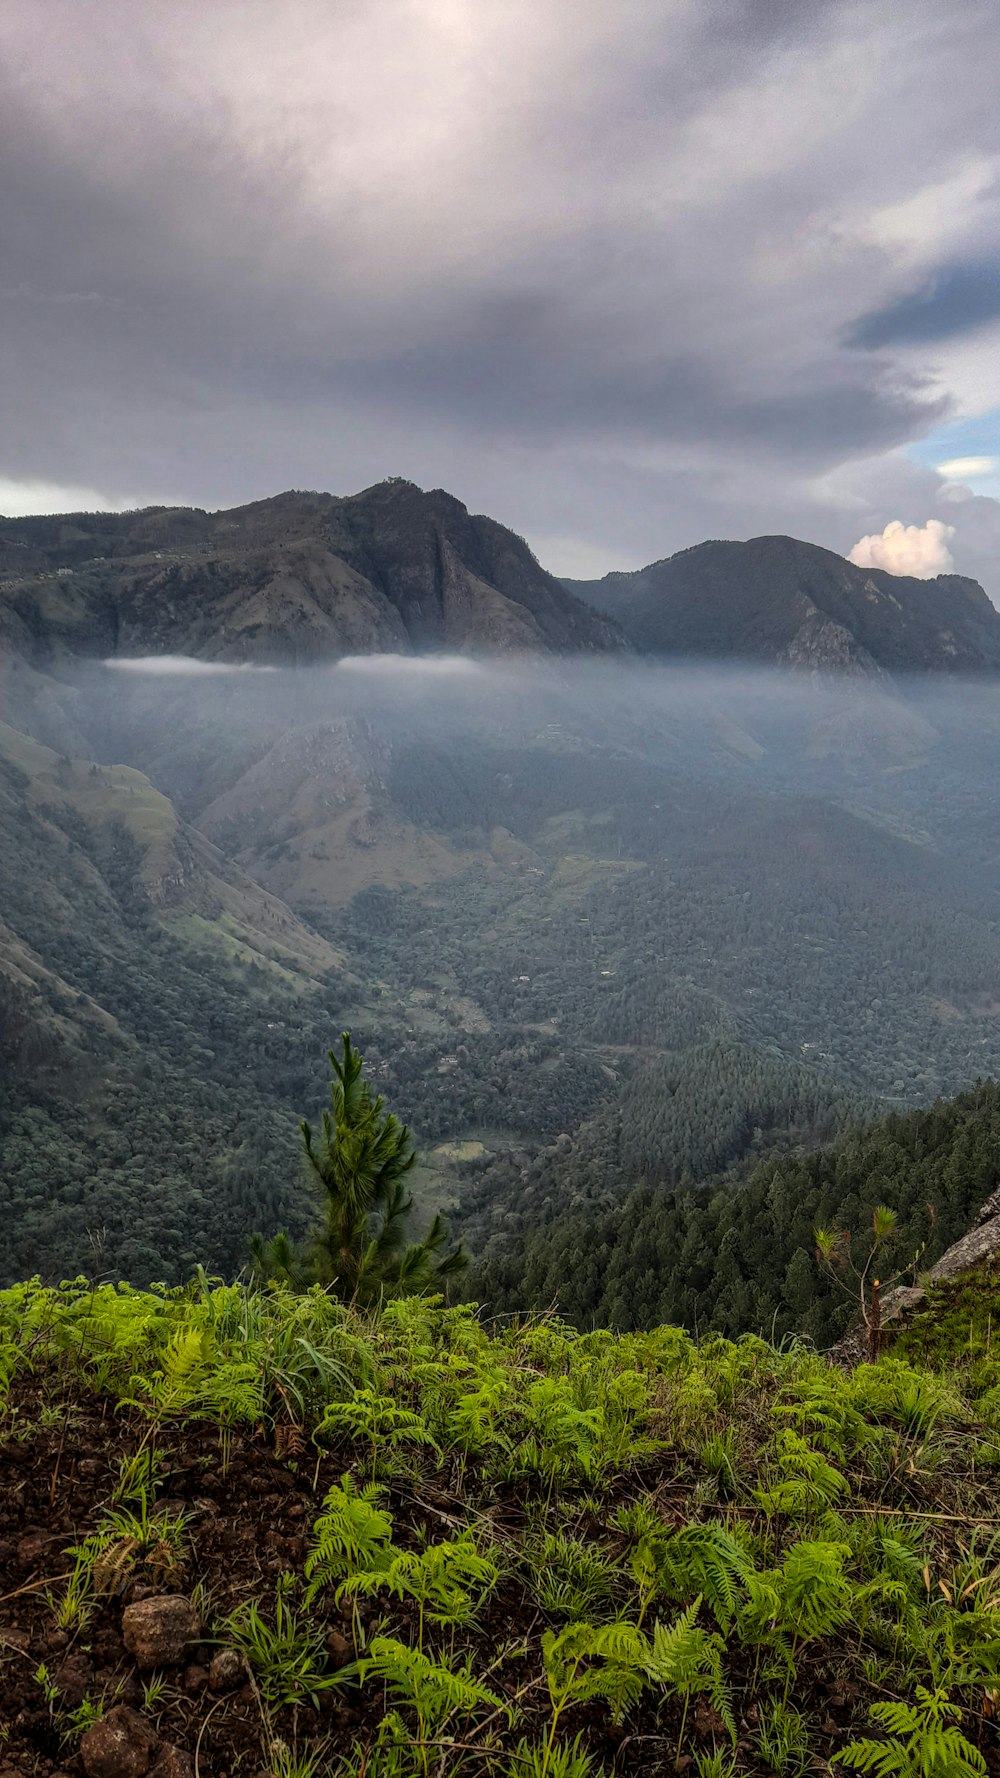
(736, 1254)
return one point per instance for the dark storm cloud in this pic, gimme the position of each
(955, 299)
(594, 270)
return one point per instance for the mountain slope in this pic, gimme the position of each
(160, 1019)
(295, 579)
(777, 599)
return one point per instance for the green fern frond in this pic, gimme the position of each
(352, 1533)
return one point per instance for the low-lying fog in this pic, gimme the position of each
(785, 718)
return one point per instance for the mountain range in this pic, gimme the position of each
(304, 578)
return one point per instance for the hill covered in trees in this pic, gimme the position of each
(736, 1253)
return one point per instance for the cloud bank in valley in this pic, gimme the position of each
(918, 550)
(180, 666)
(412, 666)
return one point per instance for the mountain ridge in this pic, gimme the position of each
(775, 599)
(293, 579)
(305, 577)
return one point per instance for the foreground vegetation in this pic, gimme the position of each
(426, 1547)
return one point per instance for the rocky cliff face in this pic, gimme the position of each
(297, 579)
(775, 599)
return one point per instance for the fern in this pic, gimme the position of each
(709, 1561)
(449, 1581)
(688, 1659)
(573, 1679)
(377, 1420)
(926, 1742)
(351, 1533)
(434, 1690)
(808, 1486)
(816, 1596)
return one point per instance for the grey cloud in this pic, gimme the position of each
(593, 273)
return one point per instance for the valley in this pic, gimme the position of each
(599, 923)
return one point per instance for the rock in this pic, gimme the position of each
(120, 1745)
(14, 1639)
(195, 1679)
(159, 1631)
(337, 1647)
(172, 1762)
(227, 1671)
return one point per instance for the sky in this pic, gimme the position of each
(622, 276)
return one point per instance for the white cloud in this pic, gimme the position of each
(20, 499)
(919, 550)
(417, 665)
(181, 665)
(959, 469)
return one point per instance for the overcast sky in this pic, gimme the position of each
(623, 275)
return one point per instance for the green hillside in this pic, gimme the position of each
(736, 1253)
(161, 1019)
(266, 1533)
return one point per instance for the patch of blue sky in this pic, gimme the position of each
(970, 450)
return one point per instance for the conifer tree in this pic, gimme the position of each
(358, 1161)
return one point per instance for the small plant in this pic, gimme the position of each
(81, 1719)
(50, 1691)
(573, 1580)
(717, 1764)
(123, 1538)
(155, 1691)
(718, 1456)
(74, 1608)
(434, 1690)
(140, 1477)
(292, 1762)
(351, 1534)
(783, 1740)
(287, 1658)
(926, 1742)
(533, 1759)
